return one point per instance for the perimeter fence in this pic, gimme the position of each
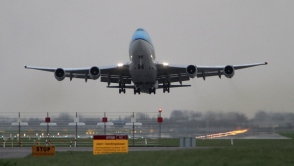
(77, 129)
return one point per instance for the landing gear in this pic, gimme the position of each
(166, 87)
(122, 88)
(140, 66)
(152, 90)
(136, 90)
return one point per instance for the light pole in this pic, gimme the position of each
(47, 120)
(19, 129)
(133, 120)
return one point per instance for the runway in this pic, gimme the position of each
(255, 136)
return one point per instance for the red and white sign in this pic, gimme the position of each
(110, 137)
(104, 119)
(159, 119)
(47, 119)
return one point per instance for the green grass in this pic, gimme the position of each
(251, 155)
(214, 152)
(288, 134)
(88, 142)
(165, 142)
(219, 152)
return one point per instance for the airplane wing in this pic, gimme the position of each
(165, 73)
(109, 74)
(178, 73)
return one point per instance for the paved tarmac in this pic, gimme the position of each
(256, 136)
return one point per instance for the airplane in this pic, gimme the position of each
(143, 71)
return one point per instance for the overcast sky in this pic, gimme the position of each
(87, 33)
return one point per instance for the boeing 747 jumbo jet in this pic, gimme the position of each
(143, 71)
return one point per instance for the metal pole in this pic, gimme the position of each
(19, 129)
(104, 124)
(76, 130)
(133, 130)
(159, 129)
(159, 133)
(207, 128)
(47, 126)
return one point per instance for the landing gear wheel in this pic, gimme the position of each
(166, 87)
(152, 90)
(122, 88)
(136, 90)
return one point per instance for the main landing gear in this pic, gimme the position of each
(166, 87)
(152, 90)
(122, 88)
(136, 90)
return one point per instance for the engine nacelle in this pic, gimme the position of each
(229, 71)
(94, 72)
(191, 71)
(59, 74)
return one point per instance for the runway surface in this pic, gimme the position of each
(255, 136)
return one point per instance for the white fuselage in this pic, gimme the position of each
(143, 67)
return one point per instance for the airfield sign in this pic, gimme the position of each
(103, 144)
(43, 150)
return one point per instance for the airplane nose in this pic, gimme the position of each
(138, 45)
(141, 34)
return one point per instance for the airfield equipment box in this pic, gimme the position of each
(187, 142)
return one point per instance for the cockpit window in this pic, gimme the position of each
(140, 33)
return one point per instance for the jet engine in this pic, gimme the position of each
(229, 71)
(59, 74)
(94, 72)
(191, 71)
